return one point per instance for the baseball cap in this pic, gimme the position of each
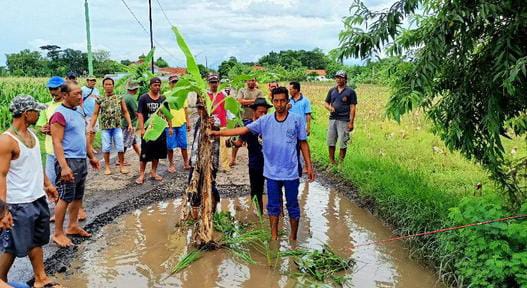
(23, 103)
(260, 102)
(155, 80)
(132, 85)
(55, 82)
(91, 77)
(342, 74)
(71, 74)
(213, 78)
(173, 78)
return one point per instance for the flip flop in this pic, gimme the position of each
(139, 182)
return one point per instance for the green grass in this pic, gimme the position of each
(403, 169)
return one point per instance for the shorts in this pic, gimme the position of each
(112, 136)
(129, 138)
(95, 128)
(30, 227)
(50, 168)
(338, 133)
(178, 138)
(274, 197)
(70, 191)
(154, 150)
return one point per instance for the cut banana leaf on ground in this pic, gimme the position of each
(155, 126)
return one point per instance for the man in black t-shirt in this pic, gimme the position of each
(340, 102)
(151, 151)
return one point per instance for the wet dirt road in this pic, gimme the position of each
(140, 249)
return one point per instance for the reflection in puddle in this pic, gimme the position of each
(140, 249)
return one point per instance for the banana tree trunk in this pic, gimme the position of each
(201, 182)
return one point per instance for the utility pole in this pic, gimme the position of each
(151, 34)
(88, 38)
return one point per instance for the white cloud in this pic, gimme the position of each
(246, 29)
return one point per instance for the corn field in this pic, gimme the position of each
(11, 86)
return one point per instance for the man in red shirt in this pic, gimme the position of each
(219, 111)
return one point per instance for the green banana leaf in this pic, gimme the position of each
(166, 111)
(192, 67)
(232, 105)
(233, 123)
(156, 126)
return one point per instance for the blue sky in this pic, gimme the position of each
(246, 29)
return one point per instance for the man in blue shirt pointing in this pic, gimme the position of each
(281, 133)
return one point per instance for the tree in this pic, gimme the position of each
(161, 63)
(226, 66)
(53, 51)
(107, 67)
(101, 55)
(126, 62)
(27, 63)
(466, 68)
(204, 71)
(290, 59)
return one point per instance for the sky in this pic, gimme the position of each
(214, 30)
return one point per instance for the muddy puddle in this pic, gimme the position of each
(140, 249)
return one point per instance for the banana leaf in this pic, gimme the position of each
(156, 126)
(192, 67)
(166, 111)
(232, 105)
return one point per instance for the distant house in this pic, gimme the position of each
(317, 75)
(258, 68)
(171, 70)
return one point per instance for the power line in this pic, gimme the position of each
(146, 31)
(164, 13)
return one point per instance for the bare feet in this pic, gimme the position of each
(107, 171)
(156, 177)
(82, 214)
(77, 231)
(186, 167)
(62, 240)
(172, 168)
(140, 180)
(232, 163)
(48, 284)
(125, 163)
(124, 170)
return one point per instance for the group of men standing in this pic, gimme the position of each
(277, 144)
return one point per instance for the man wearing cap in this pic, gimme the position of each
(282, 132)
(151, 151)
(71, 147)
(72, 76)
(53, 85)
(246, 97)
(23, 186)
(180, 125)
(218, 98)
(89, 95)
(130, 100)
(340, 102)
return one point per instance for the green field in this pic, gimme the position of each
(415, 184)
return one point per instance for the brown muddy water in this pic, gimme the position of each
(140, 249)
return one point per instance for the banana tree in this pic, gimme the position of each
(138, 72)
(201, 179)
